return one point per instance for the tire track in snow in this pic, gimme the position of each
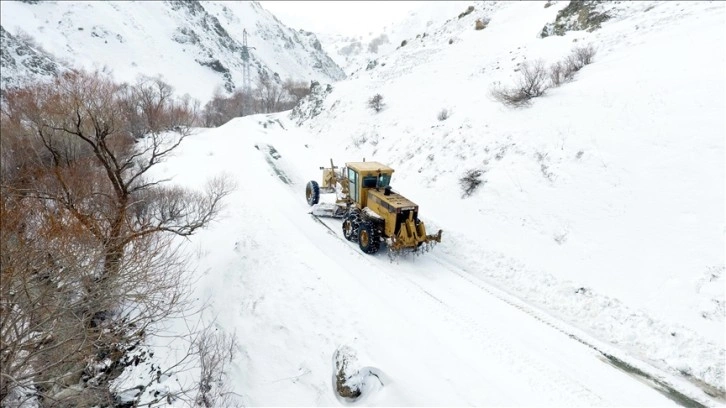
(573, 388)
(493, 344)
(618, 358)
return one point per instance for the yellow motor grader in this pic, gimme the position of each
(372, 212)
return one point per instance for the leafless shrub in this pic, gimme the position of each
(544, 167)
(471, 181)
(89, 261)
(532, 83)
(574, 62)
(443, 114)
(214, 351)
(376, 102)
(534, 79)
(557, 73)
(584, 55)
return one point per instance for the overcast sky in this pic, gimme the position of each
(344, 17)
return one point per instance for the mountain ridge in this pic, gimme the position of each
(155, 39)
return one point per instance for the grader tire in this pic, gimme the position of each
(368, 238)
(351, 226)
(312, 192)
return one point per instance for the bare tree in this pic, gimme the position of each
(150, 107)
(93, 264)
(268, 97)
(269, 93)
(221, 109)
(296, 90)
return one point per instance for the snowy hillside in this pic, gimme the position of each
(353, 53)
(178, 40)
(586, 269)
(607, 192)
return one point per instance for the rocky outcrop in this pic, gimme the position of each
(578, 15)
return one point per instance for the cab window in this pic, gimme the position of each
(370, 181)
(353, 178)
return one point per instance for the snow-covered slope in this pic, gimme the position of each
(353, 53)
(601, 204)
(178, 40)
(298, 295)
(602, 201)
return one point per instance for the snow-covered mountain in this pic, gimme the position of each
(178, 40)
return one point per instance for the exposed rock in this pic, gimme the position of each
(578, 15)
(22, 61)
(311, 105)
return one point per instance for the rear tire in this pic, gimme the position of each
(368, 238)
(312, 192)
(351, 226)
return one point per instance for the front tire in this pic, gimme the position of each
(351, 226)
(368, 238)
(312, 192)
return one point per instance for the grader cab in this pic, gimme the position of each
(372, 212)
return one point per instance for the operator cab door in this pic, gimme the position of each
(353, 180)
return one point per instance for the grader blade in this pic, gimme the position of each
(328, 210)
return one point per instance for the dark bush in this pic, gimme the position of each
(466, 12)
(471, 181)
(444, 114)
(376, 102)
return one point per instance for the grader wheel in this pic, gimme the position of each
(351, 226)
(312, 192)
(368, 238)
